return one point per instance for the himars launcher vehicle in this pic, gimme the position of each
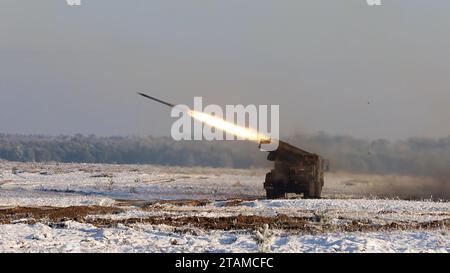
(295, 171)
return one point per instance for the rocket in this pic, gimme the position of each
(157, 100)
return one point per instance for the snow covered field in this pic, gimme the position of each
(76, 237)
(127, 208)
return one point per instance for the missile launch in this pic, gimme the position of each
(219, 123)
(296, 170)
(157, 100)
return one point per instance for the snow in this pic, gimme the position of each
(20, 197)
(62, 185)
(353, 204)
(81, 184)
(77, 237)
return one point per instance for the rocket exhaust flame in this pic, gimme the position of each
(221, 124)
(229, 127)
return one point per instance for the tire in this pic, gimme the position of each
(317, 190)
(314, 192)
(274, 194)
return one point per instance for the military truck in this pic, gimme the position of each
(295, 171)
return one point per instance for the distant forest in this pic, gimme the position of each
(414, 156)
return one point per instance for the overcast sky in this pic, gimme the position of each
(337, 66)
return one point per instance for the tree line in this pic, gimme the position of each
(414, 156)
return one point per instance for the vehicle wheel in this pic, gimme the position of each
(308, 195)
(274, 194)
(315, 191)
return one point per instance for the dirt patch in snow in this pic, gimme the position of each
(308, 225)
(314, 224)
(56, 214)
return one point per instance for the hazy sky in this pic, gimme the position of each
(66, 70)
